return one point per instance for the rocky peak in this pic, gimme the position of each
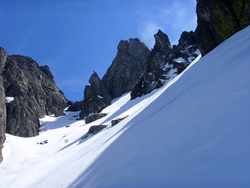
(123, 46)
(165, 62)
(161, 41)
(47, 72)
(120, 78)
(187, 39)
(137, 48)
(126, 67)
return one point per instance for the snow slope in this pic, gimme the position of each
(193, 132)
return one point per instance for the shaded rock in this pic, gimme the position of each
(3, 56)
(59, 112)
(116, 121)
(127, 67)
(218, 20)
(165, 62)
(75, 106)
(93, 130)
(35, 92)
(121, 77)
(94, 117)
(43, 142)
(99, 87)
(96, 97)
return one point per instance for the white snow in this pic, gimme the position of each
(192, 132)
(9, 99)
(180, 60)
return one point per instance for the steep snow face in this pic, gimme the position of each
(193, 132)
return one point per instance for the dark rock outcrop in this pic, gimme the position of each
(127, 67)
(166, 62)
(121, 77)
(74, 106)
(93, 130)
(99, 87)
(94, 117)
(35, 94)
(116, 121)
(96, 97)
(218, 20)
(3, 56)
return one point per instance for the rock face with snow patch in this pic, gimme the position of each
(3, 56)
(218, 20)
(121, 77)
(35, 94)
(96, 97)
(166, 62)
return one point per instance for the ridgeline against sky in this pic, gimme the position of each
(75, 38)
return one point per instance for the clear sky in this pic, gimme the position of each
(76, 37)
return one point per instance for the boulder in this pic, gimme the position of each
(116, 121)
(93, 130)
(3, 56)
(218, 20)
(94, 117)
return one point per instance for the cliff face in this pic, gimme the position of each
(3, 56)
(166, 62)
(35, 94)
(125, 70)
(218, 20)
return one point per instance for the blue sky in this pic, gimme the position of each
(75, 38)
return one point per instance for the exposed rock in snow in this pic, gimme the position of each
(166, 62)
(93, 130)
(94, 117)
(118, 120)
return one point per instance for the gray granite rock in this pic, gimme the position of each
(3, 56)
(35, 95)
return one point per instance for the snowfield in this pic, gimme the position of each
(192, 132)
